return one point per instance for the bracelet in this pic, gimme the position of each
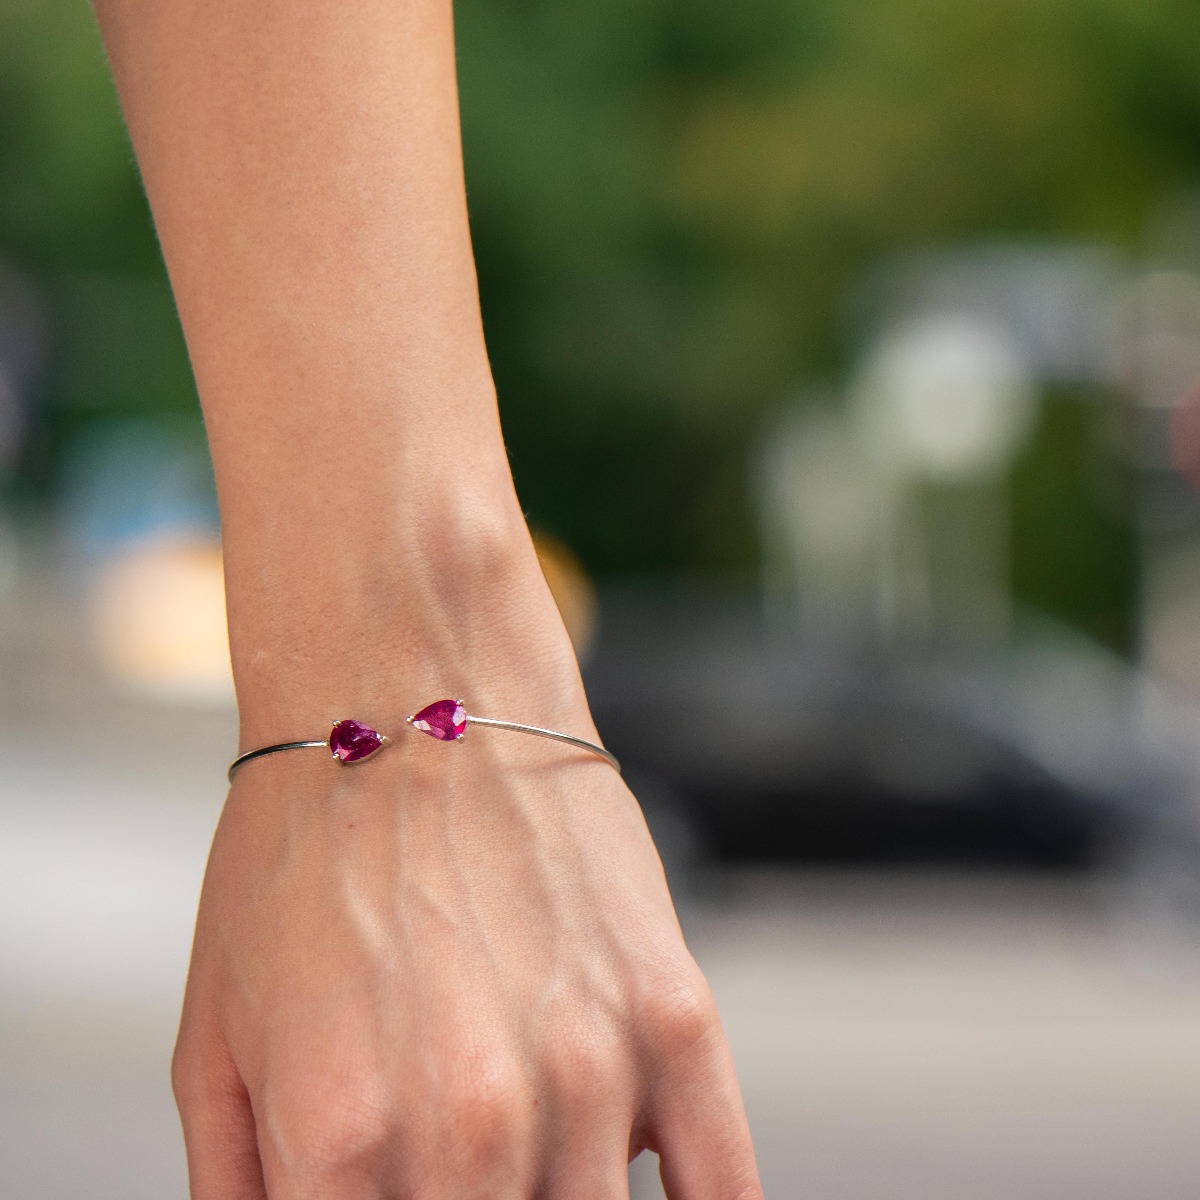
(351, 741)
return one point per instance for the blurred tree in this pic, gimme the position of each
(73, 218)
(670, 202)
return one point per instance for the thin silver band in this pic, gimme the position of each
(537, 731)
(569, 738)
(245, 758)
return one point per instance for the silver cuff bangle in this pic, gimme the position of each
(351, 741)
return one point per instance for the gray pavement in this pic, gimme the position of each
(961, 1038)
(928, 1036)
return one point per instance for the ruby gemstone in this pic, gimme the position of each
(443, 719)
(352, 740)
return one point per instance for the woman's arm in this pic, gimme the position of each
(302, 162)
(451, 970)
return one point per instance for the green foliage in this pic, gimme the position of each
(1074, 550)
(70, 199)
(670, 202)
(74, 219)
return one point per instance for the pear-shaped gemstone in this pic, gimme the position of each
(352, 740)
(443, 719)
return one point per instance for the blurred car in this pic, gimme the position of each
(748, 734)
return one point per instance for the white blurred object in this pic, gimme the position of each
(1050, 297)
(1171, 615)
(1155, 357)
(942, 406)
(158, 619)
(1154, 344)
(821, 505)
(945, 397)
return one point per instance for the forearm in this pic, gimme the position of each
(450, 972)
(302, 162)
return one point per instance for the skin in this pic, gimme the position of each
(450, 970)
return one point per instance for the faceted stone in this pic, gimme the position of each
(443, 719)
(352, 740)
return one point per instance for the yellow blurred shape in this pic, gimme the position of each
(572, 591)
(158, 615)
(158, 619)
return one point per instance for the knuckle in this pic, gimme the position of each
(198, 1077)
(183, 1076)
(682, 1015)
(585, 1070)
(487, 1112)
(327, 1129)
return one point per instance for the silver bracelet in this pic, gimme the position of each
(351, 741)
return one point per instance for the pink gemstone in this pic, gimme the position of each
(443, 719)
(352, 740)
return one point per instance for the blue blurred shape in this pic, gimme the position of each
(128, 480)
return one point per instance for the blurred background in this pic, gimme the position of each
(849, 363)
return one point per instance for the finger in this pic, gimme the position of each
(698, 1127)
(597, 1168)
(218, 1123)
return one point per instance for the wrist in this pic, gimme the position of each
(454, 604)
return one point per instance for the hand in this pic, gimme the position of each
(449, 971)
